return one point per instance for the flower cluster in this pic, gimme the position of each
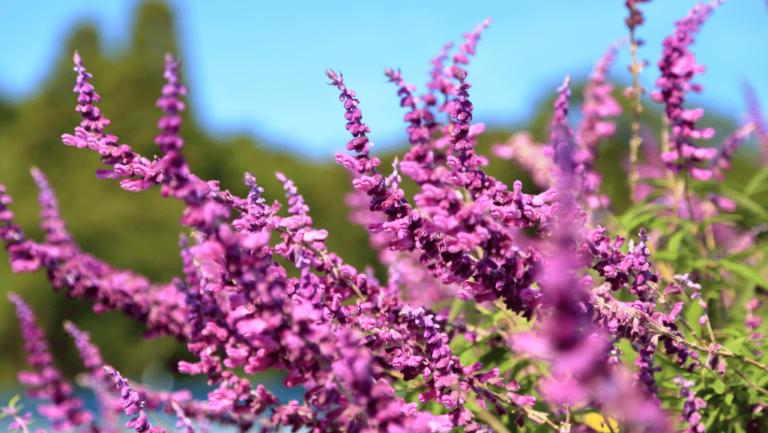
(501, 310)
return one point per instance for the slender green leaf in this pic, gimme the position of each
(673, 246)
(746, 202)
(744, 271)
(757, 181)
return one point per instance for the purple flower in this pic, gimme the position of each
(63, 410)
(355, 126)
(757, 119)
(93, 121)
(132, 404)
(722, 162)
(635, 15)
(597, 106)
(169, 140)
(678, 67)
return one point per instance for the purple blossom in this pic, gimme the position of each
(63, 410)
(635, 17)
(93, 121)
(691, 406)
(169, 140)
(598, 105)
(355, 126)
(529, 155)
(756, 118)
(470, 42)
(562, 144)
(722, 162)
(21, 421)
(132, 404)
(678, 67)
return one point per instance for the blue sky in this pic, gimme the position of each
(258, 66)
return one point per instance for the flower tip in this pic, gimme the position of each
(77, 59)
(487, 21)
(169, 59)
(330, 73)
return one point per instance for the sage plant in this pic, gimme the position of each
(502, 310)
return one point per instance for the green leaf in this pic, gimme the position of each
(637, 212)
(728, 399)
(673, 246)
(744, 271)
(718, 386)
(745, 201)
(639, 220)
(455, 309)
(658, 183)
(736, 345)
(712, 417)
(495, 356)
(721, 219)
(756, 182)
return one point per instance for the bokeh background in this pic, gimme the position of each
(258, 103)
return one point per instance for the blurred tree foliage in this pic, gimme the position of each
(140, 231)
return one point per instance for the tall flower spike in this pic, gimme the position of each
(132, 404)
(439, 82)
(62, 244)
(65, 411)
(597, 106)
(462, 116)
(169, 139)
(89, 352)
(470, 42)
(722, 162)
(466, 49)
(678, 66)
(355, 126)
(561, 139)
(93, 121)
(97, 379)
